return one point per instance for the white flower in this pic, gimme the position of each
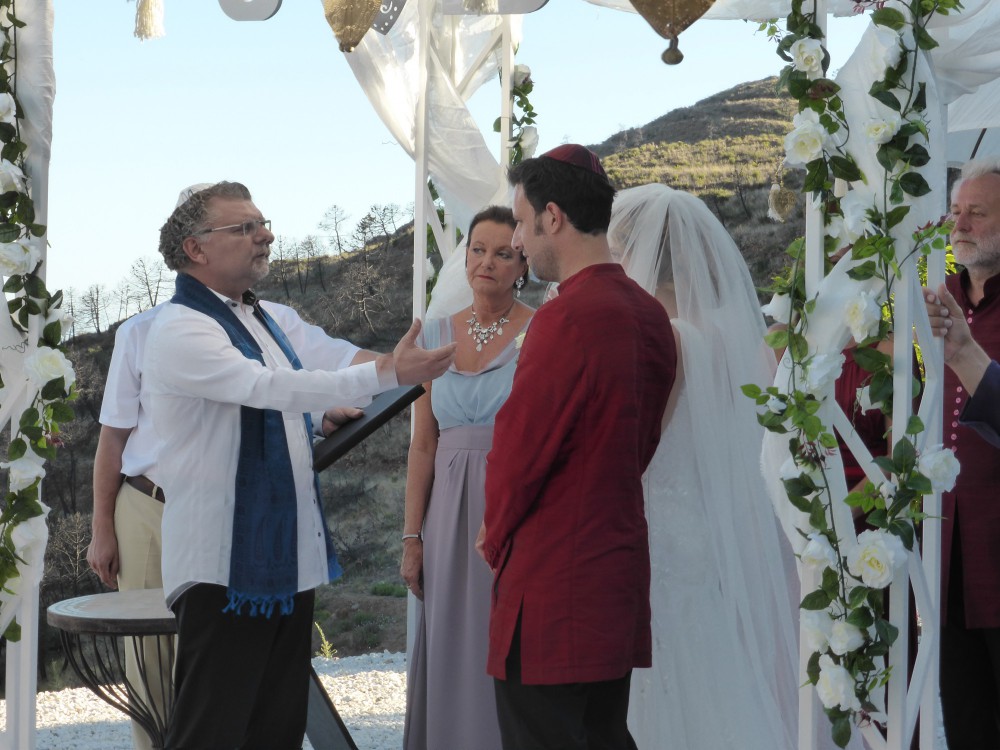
(845, 637)
(779, 308)
(855, 206)
(835, 686)
(46, 364)
(19, 257)
(775, 405)
(519, 339)
(57, 314)
(889, 50)
(29, 534)
(807, 56)
(519, 75)
(818, 552)
(429, 270)
(882, 129)
(24, 471)
(11, 177)
(862, 315)
(529, 141)
(887, 490)
(816, 629)
(876, 558)
(821, 371)
(940, 466)
(805, 143)
(8, 109)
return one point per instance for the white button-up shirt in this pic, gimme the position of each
(197, 382)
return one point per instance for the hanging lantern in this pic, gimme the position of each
(669, 18)
(350, 19)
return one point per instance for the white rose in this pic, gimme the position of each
(940, 466)
(429, 271)
(806, 140)
(821, 371)
(62, 316)
(855, 206)
(8, 109)
(11, 177)
(862, 315)
(519, 75)
(775, 405)
(836, 686)
(46, 364)
(889, 50)
(529, 141)
(27, 535)
(779, 308)
(876, 558)
(883, 129)
(807, 56)
(887, 490)
(18, 258)
(845, 637)
(865, 399)
(816, 629)
(24, 471)
(818, 552)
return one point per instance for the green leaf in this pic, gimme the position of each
(877, 518)
(890, 18)
(751, 390)
(924, 40)
(844, 168)
(866, 270)
(17, 449)
(887, 632)
(904, 455)
(54, 389)
(35, 287)
(812, 668)
(13, 632)
(917, 156)
(915, 425)
(817, 515)
(841, 730)
(871, 359)
(896, 215)
(52, 333)
(904, 530)
(777, 339)
(831, 583)
(815, 601)
(62, 412)
(920, 484)
(861, 618)
(13, 284)
(856, 596)
(888, 99)
(914, 184)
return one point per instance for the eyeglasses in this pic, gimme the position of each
(248, 228)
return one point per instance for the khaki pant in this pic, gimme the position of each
(137, 526)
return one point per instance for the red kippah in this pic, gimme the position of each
(578, 156)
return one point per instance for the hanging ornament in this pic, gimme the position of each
(480, 6)
(780, 203)
(669, 18)
(350, 19)
(149, 19)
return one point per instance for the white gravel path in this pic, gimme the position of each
(369, 692)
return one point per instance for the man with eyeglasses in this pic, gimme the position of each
(245, 543)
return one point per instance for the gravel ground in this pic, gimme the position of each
(369, 692)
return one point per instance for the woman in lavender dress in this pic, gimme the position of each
(450, 702)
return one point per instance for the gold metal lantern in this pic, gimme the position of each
(350, 19)
(669, 18)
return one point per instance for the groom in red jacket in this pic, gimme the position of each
(565, 529)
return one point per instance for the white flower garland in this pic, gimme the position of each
(844, 622)
(34, 312)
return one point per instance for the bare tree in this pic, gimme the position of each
(279, 264)
(93, 306)
(301, 265)
(123, 297)
(66, 571)
(385, 217)
(150, 277)
(365, 284)
(314, 252)
(334, 217)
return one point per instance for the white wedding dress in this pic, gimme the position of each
(724, 589)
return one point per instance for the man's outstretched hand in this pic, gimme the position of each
(414, 365)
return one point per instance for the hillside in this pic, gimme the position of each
(725, 149)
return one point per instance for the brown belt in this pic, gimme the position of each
(146, 487)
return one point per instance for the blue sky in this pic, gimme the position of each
(274, 105)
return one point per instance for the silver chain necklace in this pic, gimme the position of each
(485, 335)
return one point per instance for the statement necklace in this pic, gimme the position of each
(485, 335)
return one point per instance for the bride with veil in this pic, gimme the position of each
(724, 586)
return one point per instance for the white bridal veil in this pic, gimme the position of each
(724, 587)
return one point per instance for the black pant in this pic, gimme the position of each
(577, 716)
(240, 681)
(970, 699)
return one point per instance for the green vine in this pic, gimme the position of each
(524, 135)
(844, 619)
(34, 313)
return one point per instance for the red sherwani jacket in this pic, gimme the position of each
(972, 510)
(565, 525)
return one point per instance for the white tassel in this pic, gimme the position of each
(149, 19)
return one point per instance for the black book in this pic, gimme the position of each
(382, 408)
